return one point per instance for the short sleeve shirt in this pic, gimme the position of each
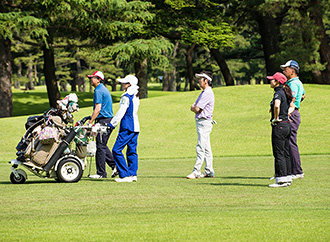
(297, 89)
(205, 101)
(284, 106)
(102, 96)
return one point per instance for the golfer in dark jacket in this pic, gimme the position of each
(281, 129)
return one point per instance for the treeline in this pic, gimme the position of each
(57, 42)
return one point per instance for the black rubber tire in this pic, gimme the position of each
(16, 180)
(69, 170)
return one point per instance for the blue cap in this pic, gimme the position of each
(292, 64)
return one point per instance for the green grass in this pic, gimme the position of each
(163, 205)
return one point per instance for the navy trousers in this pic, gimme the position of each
(130, 139)
(294, 150)
(103, 154)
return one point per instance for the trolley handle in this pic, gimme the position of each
(83, 121)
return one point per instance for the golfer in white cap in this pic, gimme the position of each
(203, 109)
(128, 131)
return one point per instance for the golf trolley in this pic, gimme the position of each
(51, 148)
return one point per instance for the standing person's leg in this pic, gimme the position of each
(287, 152)
(131, 154)
(278, 143)
(207, 144)
(103, 154)
(294, 150)
(100, 156)
(200, 147)
(121, 142)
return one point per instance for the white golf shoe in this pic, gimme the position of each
(298, 176)
(124, 179)
(275, 185)
(193, 176)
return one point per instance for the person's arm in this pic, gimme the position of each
(124, 104)
(291, 108)
(96, 112)
(277, 108)
(195, 109)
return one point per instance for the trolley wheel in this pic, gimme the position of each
(69, 170)
(21, 177)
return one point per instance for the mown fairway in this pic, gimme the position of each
(236, 205)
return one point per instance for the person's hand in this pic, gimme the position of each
(275, 121)
(89, 124)
(192, 108)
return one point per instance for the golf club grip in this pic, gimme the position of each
(59, 150)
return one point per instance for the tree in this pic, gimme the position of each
(141, 52)
(6, 105)
(73, 20)
(194, 23)
(12, 23)
(305, 39)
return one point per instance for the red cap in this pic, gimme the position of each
(279, 77)
(98, 74)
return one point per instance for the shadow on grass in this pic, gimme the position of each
(30, 182)
(236, 184)
(245, 177)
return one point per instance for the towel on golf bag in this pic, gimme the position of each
(48, 135)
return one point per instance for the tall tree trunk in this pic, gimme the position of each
(142, 74)
(324, 50)
(172, 82)
(269, 29)
(35, 73)
(190, 70)
(50, 77)
(166, 75)
(63, 86)
(6, 98)
(223, 67)
(186, 84)
(165, 80)
(74, 83)
(81, 80)
(17, 84)
(90, 82)
(29, 74)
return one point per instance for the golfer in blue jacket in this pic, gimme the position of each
(128, 131)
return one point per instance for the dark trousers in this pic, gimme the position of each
(103, 154)
(280, 143)
(294, 150)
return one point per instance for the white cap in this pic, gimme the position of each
(204, 75)
(129, 79)
(98, 74)
(292, 64)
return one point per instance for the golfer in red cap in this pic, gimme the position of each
(281, 128)
(103, 114)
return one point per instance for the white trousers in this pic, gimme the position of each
(203, 148)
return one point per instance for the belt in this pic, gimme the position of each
(284, 122)
(296, 109)
(98, 119)
(198, 119)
